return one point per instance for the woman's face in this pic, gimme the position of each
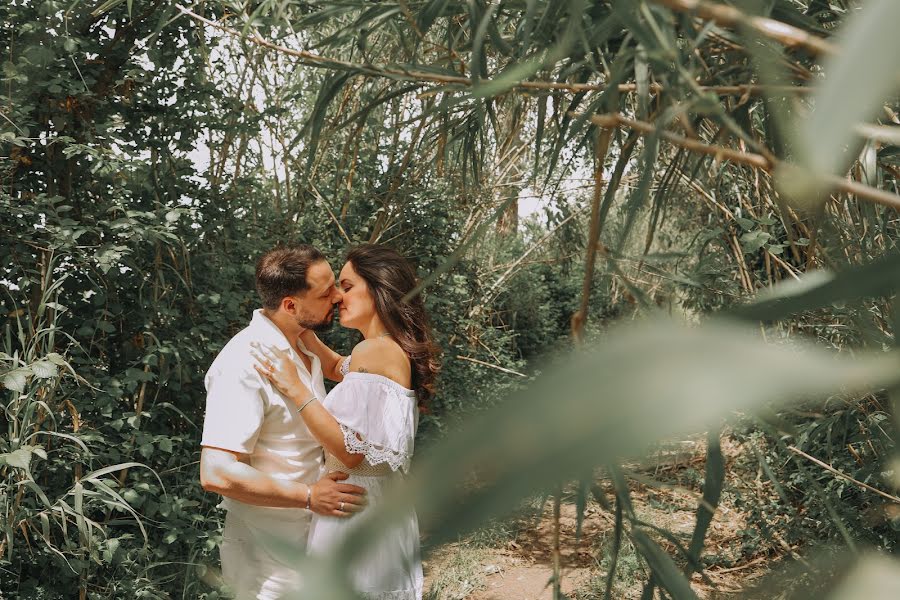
(356, 307)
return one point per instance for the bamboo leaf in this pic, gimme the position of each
(614, 551)
(819, 289)
(430, 13)
(65, 436)
(539, 133)
(327, 93)
(478, 64)
(78, 491)
(663, 567)
(764, 465)
(874, 578)
(457, 254)
(510, 77)
(686, 378)
(32, 484)
(106, 7)
(713, 481)
(581, 497)
(120, 502)
(676, 543)
(857, 81)
(96, 475)
(642, 78)
(500, 44)
(638, 198)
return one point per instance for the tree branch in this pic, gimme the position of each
(843, 475)
(487, 364)
(728, 16)
(751, 159)
(316, 60)
(579, 319)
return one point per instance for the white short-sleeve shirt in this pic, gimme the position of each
(246, 414)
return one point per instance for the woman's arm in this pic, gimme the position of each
(327, 430)
(331, 360)
(278, 367)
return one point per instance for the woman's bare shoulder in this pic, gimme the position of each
(381, 357)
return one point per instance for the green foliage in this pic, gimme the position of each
(128, 264)
(148, 159)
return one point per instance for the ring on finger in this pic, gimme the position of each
(341, 507)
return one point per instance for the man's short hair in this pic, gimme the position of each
(282, 272)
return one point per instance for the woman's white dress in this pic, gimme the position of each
(378, 417)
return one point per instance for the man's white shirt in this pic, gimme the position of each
(246, 414)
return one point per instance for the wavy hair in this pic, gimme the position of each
(390, 277)
(282, 272)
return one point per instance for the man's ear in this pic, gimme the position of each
(288, 304)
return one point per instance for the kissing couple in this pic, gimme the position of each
(293, 462)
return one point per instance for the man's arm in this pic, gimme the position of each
(223, 472)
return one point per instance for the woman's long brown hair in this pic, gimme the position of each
(389, 277)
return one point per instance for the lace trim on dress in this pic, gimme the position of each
(345, 366)
(375, 455)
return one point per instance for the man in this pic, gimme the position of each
(257, 452)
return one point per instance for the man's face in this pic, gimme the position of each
(314, 308)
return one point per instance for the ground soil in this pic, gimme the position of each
(666, 492)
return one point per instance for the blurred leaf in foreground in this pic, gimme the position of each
(642, 384)
(830, 576)
(858, 79)
(819, 289)
(874, 578)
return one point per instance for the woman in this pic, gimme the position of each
(367, 423)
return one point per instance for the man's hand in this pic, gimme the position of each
(334, 499)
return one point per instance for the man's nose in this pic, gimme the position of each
(336, 296)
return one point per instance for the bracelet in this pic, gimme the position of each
(302, 406)
(308, 496)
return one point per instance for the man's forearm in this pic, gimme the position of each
(242, 482)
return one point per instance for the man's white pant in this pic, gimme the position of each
(260, 552)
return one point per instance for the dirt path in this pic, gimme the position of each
(523, 568)
(515, 561)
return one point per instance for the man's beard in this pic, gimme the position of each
(323, 325)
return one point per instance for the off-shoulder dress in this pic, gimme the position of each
(378, 417)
